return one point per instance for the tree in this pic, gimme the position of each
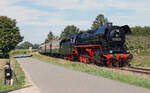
(69, 30)
(141, 31)
(99, 21)
(50, 37)
(25, 45)
(9, 35)
(36, 46)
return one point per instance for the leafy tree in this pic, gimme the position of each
(99, 21)
(141, 31)
(20, 47)
(50, 37)
(36, 46)
(9, 35)
(69, 30)
(25, 45)
(56, 38)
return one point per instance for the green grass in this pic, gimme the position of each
(19, 77)
(22, 52)
(141, 61)
(95, 70)
(138, 45)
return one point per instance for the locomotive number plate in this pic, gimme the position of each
(116, 39)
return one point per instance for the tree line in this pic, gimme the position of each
(10, 34)
(27, 45)
(72, 29)
(141, 31)
(99, 21)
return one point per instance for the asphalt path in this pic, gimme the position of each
(50, 78)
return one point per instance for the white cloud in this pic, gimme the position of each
(31, 16)
(139, 12)
(139, 8)
(132, 20)
(21, 13)
(70, 4)
(138, 5)
(94, 4)
(58, 22)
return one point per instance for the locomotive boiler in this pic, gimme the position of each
(102, 46)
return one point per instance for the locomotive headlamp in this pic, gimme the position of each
(110, 51)
(127, 51)
(117, 30)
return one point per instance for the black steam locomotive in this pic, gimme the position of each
(104, 46)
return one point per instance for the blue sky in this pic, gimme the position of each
(37, 17)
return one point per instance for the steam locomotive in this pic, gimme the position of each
(103, 46)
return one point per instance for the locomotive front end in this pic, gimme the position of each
(115, 51)
(118, 60)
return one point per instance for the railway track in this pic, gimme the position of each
(136, 70)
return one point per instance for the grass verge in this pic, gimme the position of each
(141, 61)
(95, 70)
(138, 60)
(21, 52)
(138, 45)
(19, 76)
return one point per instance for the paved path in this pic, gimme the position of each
(31, 89)
(54, 79)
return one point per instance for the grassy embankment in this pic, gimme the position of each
(140, 48)
(21, 52)
(19, 76)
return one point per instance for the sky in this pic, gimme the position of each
(36, 18)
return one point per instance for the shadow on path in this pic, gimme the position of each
(23, 56)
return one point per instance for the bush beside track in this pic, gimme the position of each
(98, 71)
(19, 76)
(139, 45)
(21, 52)
(141, 61)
